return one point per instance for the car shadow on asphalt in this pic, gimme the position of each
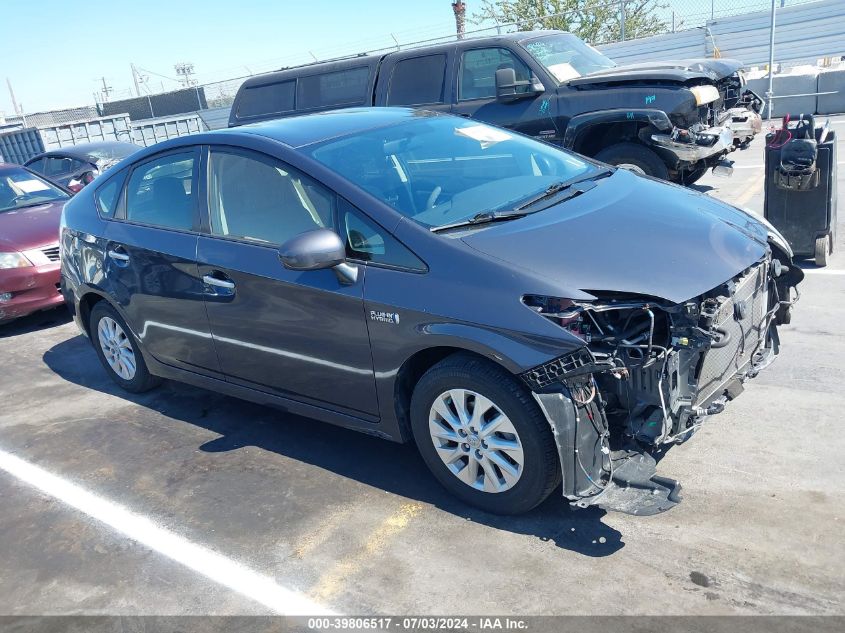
(395, 468)
(35, 322)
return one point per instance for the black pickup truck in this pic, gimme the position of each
(671, 120)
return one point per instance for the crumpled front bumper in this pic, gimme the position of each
(692, 152)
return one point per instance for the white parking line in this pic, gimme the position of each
(823, 271)
(214, 566)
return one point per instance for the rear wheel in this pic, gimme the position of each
(822, 250)
(483, 437)
(692, 176)
(118, 350)
(635, 157)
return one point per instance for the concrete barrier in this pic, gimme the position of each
(829, 81)
(785, 85)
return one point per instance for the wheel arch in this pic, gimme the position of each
(590, 132)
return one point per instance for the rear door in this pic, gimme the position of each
(417, 79)
(150, 263)
(475, 93)
(299, 334)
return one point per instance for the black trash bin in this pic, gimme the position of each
(800, 195)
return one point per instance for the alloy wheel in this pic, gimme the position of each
(476, 440)
(117, 348)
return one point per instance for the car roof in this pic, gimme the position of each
(307, 129)
(83, 150)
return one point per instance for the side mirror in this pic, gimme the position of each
(76, 184)
(317, 250)
(507, 85)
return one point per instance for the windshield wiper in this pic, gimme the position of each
(568, 186)
(485, 217)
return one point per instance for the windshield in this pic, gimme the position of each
(21, 188)
(441, 170)
(567, 57)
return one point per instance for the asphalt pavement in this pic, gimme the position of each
(183, 501)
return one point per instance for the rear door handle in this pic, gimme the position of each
(220, 283)
(118, 256)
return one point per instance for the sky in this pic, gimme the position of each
(55, 53)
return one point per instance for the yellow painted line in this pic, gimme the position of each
(333, 580)
(327, 529)
(755, 188)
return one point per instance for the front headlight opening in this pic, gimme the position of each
(13, 260)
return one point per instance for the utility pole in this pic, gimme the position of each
(185, 70)
(18, 110)
(107, 90)
(622, 20)
(770, 94)
(135, 80)
(460, 10)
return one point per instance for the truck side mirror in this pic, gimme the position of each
(507, 86)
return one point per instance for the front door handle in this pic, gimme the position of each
(118, 256)
(220, 283)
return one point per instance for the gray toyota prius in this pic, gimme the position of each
(528, 317)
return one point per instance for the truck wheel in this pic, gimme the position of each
(638, 158)
(822, 250)
(118, 350)
(691, 177)
(483, 436)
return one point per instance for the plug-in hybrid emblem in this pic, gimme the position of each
(384, 317)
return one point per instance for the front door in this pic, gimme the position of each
(300, 334)
(476, 94)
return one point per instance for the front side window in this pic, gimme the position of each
(418, 81)
(20, 188)
(478, 72)
(160, 192)
(439, 170)
(368, 242)
(567, 57)
(261, 199)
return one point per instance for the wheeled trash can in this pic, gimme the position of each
(800, 195)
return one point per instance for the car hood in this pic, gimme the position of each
(630, 234)
(680, 71)
(30, 227)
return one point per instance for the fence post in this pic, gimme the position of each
(769, 93)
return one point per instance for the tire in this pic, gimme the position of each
(110, 334)
(822, 250)
(639, 156)
(496, 488)
(691, 177)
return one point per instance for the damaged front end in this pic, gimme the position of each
(650, 373)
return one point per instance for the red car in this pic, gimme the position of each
(30, 211)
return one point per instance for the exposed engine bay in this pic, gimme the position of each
(649, 376)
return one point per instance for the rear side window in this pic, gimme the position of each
(418, 81)
(344, 87)
(268, 99)
(160, 192)
(107, 196)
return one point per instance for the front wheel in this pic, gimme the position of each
(822, 250)
(483, 436)
(635, 157)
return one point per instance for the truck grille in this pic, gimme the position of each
(721, 364)
(51, 252)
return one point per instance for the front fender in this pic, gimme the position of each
(581, 124)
